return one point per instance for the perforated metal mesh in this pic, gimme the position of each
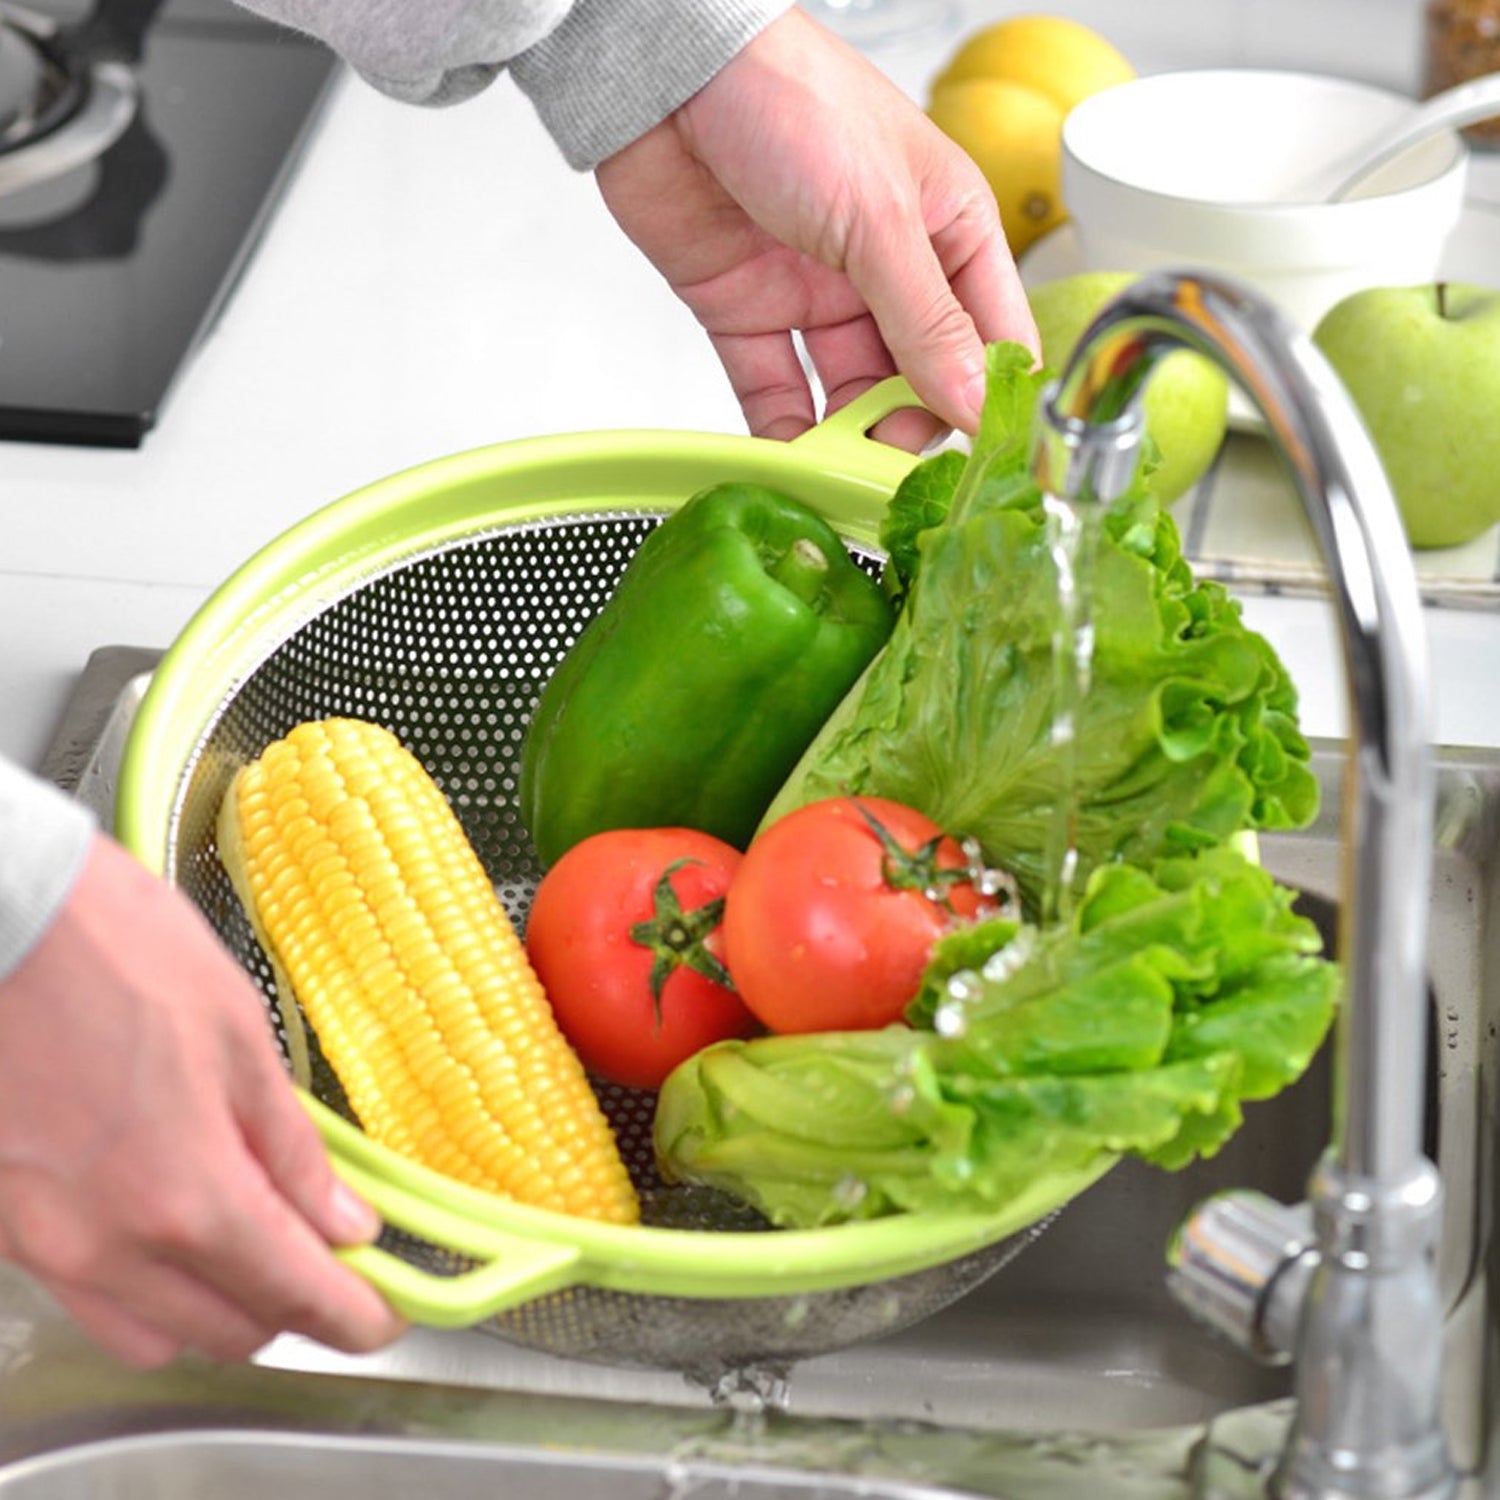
(449, 651)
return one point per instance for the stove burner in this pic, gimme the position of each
(131, 197)
(37, 92)
(67, 93)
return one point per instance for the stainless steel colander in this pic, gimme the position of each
(437, 603)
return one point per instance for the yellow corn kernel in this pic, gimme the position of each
(378, 916)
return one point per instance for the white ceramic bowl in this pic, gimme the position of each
(1203, 170)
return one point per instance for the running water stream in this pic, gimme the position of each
(1072, 532)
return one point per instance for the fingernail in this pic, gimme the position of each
(975, 384)
(354, 1222)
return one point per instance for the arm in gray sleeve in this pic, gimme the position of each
(615, 68)
(44, 835)
(599, 72)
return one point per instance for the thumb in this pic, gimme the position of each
(282, 1137)
(932, 339)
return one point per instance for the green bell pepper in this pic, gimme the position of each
(734, 632)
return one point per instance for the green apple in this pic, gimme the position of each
(1187, 401)
(1422, 365)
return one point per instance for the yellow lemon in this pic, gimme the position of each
(1013, 134)
(1062, 59)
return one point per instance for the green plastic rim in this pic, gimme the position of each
(656, 1261)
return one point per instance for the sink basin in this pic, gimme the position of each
(249, 1465)
(1077, 1335)
(78, 1427)
(1081, 1327)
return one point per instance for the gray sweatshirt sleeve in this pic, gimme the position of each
(615, 68)
(599, 72)
(44, 835)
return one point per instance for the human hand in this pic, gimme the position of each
(801, 190)
(157, 1174)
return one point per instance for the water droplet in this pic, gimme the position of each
(964, 987)
(950, 1019)
(985, 879)
(961, 990)
(849, 1192)
(1004, 962)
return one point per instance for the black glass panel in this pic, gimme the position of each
(111, 274)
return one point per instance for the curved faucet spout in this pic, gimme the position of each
(1088, 418)
(1368, 1369)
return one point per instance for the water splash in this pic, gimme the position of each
(750, 1391)
(757, 1441)
(849, 1192)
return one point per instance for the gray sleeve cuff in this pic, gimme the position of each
(615, 68)
(44, 836)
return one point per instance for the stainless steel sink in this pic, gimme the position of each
(73, 1424)
(249, 1465)
(1073, 1372)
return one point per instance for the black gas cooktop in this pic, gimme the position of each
(110, 273)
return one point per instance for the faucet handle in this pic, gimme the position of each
(1240, 1263)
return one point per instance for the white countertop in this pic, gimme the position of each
(435, 281)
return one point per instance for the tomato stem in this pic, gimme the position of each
(917, 869)
(678, 938)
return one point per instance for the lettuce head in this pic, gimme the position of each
(1187, 733)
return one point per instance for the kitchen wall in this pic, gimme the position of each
(1380, 40)
(1376, 39)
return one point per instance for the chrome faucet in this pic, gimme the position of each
(1344, 1287)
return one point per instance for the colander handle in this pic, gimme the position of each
(843, 440)
(511, 1268)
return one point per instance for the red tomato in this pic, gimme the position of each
(828, 927)
(625, 936)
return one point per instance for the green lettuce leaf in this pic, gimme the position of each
(921, 501)
(1138, 1026)
(1187, 734)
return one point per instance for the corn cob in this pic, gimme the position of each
(376, 912)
